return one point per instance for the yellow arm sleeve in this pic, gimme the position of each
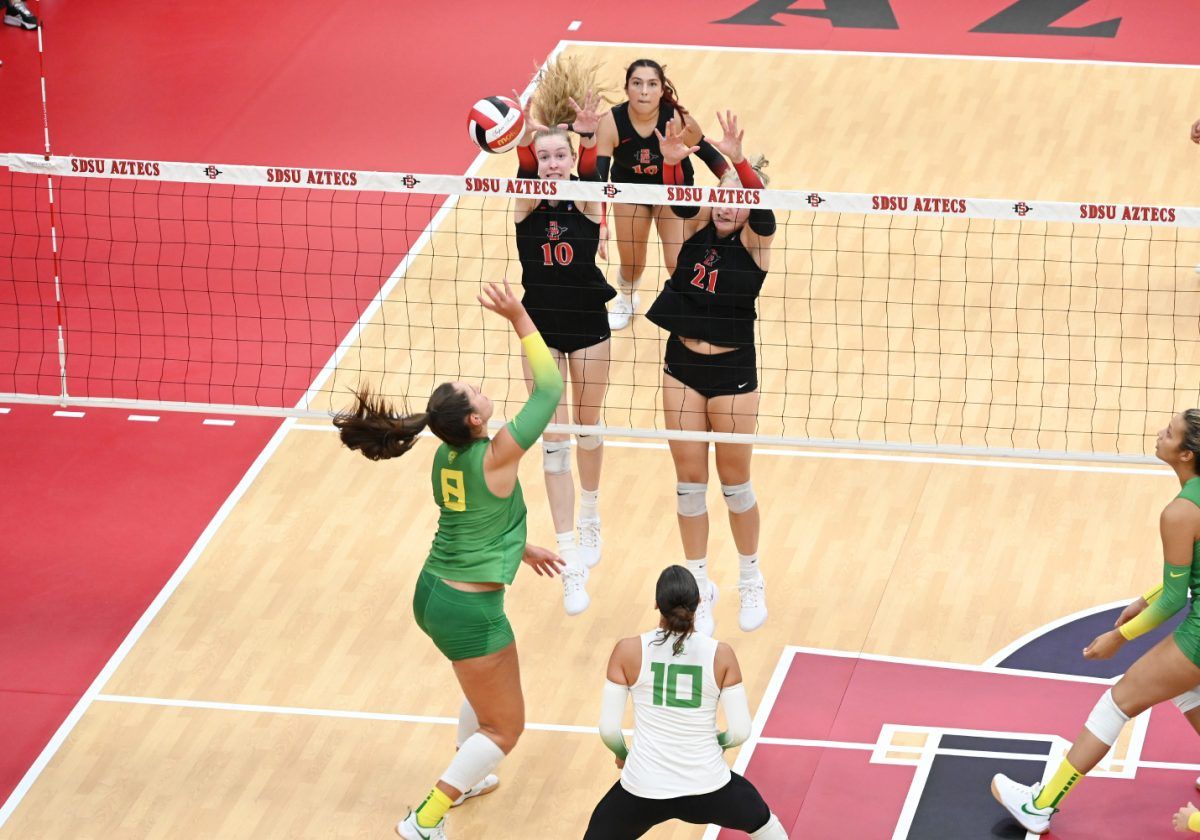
(538, 411)
(1170, 601)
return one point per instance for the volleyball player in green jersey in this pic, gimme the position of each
(479, 544)
(1168, 671)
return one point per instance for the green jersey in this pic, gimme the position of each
(1191, 492)
(480, 537)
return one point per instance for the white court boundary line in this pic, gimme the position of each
(923, 756)
(575, 42)
(84, 703)
(833, 454)
(340, 714)
(89, 696)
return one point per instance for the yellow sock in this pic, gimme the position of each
(1059, 786)
(434, 807)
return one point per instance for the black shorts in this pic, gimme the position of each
(622, 816)
(716, 375)
(569, 330)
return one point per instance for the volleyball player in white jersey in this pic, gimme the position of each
(676, 768)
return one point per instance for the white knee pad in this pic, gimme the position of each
(589, 442)
(739, 497)
(1188, 700)
(1106, 720)
(773, 830)
(691, 498)
(556, 456)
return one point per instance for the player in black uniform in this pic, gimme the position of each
(710, 373)
(565, 295)
(628, 140)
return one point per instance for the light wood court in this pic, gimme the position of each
(933, 330)
(302, 599)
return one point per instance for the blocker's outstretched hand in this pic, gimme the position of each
(672, 146)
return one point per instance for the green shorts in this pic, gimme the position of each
(1187, 636)
(463, 625)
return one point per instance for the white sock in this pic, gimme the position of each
(699, 570)
(477, 757)
(747, 567)
(589, 504)
(625, 287)
(565, 540)
(468, 722)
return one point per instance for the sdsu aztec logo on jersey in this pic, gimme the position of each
(554, 232)
(711, 258)
(645, 156)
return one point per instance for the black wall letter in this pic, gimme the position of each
(845, 14)
(1033, 17)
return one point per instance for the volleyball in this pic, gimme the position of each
(496, 124)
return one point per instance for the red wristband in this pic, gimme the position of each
(587, 162)
(672, 174)
(526, 159)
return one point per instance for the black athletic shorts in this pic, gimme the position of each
(569, 330)
(717, 375)
(622, 816)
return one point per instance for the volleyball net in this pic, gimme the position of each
(920, 322)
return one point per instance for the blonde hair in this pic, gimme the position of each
(758, 163)
(561, 80)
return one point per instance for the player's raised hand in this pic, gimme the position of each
(672, 146)
(532, 126)
(501, 300)
(730, 144)
(587, 115)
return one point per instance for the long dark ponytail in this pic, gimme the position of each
(670, 95)
(677, 596)
(377, 430)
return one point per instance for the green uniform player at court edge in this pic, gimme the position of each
(1168, 671)
(479, 544)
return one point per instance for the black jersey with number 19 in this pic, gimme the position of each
(565, 291)
(638, 159)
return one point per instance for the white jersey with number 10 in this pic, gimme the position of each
(675, 750)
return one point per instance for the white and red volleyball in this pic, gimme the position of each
(496, 124)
